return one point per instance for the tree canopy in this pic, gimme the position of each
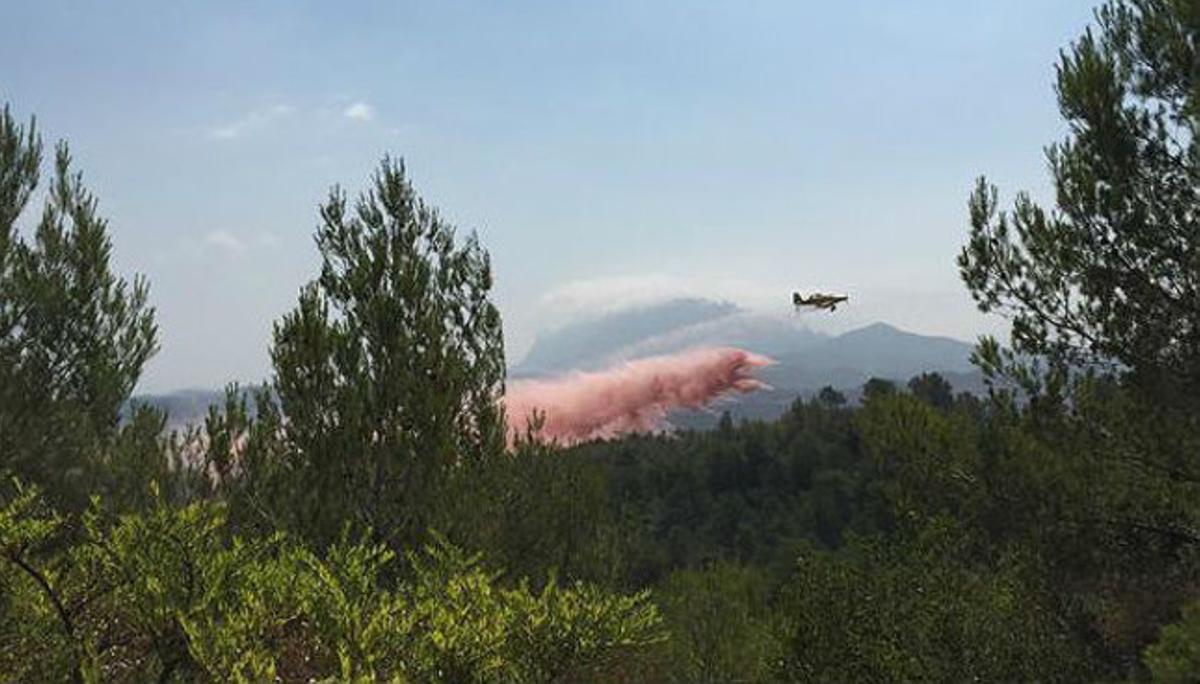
(361, 517)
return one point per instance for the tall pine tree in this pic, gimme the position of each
(73, 335)
(389, 370)
(1103, 292)
(1111, 276)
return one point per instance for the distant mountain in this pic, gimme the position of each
(190, 406)
(183, 407)
(806, 360)
(878, 350)
(846, 362)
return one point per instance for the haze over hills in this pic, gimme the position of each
(664, 328)
(877, 350)
(590, 344)
(806, 360)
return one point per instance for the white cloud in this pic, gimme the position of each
(225, 241)
(253, 120)
(359, 111)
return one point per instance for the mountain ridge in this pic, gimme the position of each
(805, 360)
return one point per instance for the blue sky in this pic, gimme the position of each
(608, 153)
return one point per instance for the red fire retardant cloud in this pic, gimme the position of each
(632, 397)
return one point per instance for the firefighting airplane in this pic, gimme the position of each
(818, 300)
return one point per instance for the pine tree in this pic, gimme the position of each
(932, 389)
(1111, 276)
(389, 370)
(73, 335)
(1104, 296)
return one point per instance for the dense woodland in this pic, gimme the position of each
(370, 521)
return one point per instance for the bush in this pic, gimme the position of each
(171, 593)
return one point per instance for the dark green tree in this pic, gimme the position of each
(1103, 292)
(721, 625)
(831, 397)
(877, 387)
(926, 609)
(1111, 276)
(1175, 657)
(73, 336)
(388, 372)
(932, 389)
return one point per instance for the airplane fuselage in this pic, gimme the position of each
(818, 300)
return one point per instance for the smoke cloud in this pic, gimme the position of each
(632, 397)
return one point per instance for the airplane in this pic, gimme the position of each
(818, 300)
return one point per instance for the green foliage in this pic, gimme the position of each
(536, 511)
(831, 397)
(1083, 493)
(480, 631)
(932, 389)
(1099, 464)
(722, 625)
(1048, 534)
(405, 352)
(239, 457)
(1175, 657)
(36, 618)
(248, 624)
(1111, 275)
(928, 459)
(749, 495)
(921, 609)
(73, 336)
(169, 594)
(389, 370)
(878, 387)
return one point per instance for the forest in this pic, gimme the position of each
(369, 513)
